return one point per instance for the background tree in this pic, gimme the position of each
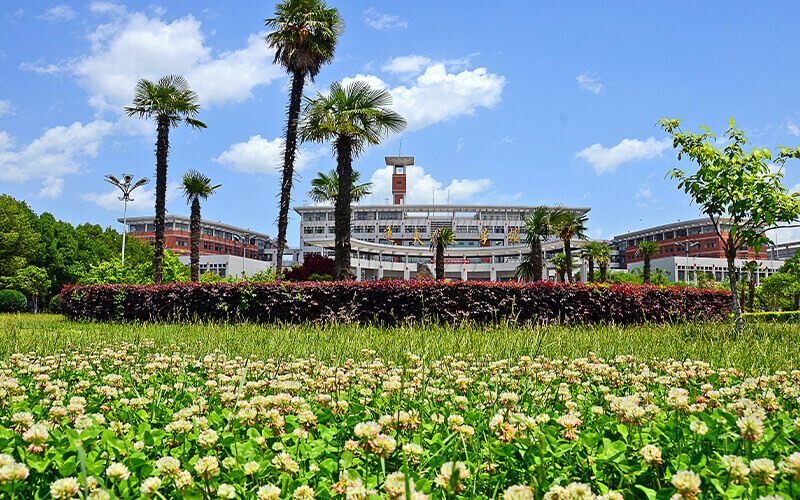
(594, 252)
(560, 263)
(30, 280)
(440, 239)
(304, 35)
(570, 225)
(603, 257)
(352, 117)
(169, 101)
(196, 187)
(750, 268)
(737, 190)
(18, 236)
(325, 187)
(538, 227)
(647, 249)
(780, 291)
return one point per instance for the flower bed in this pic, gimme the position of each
(395, 301)
(121, 421)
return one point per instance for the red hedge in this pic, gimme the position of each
(394, 301)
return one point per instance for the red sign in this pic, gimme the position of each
(452, 261)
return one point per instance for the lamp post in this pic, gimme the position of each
(686, 246)
(126, 186)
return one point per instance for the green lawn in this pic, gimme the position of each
(762, 348)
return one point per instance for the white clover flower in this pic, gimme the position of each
(250, 468)
(698, 427)
(762, 470)
(150, 486)
(268, 492)
(65, 488)
(168, 465)
(303, 492)
(207, 467)
(13, 473)
(118, 472)
(226, 491)
(518, 492)
(687, 483)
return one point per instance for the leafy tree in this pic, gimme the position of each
(304, 35)
(352, 117)
(170, 102)
(570, 225)
(440, 239)
(325, 187)
(618, 277)
(603, 257)
(737, 190)
(112, 272)
(196, 187)
(780, 290)
(598, 252)
(30, 280)
(18, 236)
(538, 227)
(313, 263)
(647, 249)
(750, 268)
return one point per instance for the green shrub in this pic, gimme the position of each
(12, 301)
(320, 277)
(55, 305)
(774, 317)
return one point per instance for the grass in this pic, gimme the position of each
(762, 348)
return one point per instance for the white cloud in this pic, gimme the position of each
(505, 140)
(793, 128)
(413, 64)
(51, 187)
(605, 160)
(460, 144)
(134, 46)
(437, 95)
(18, 14)
(421, 187)
(144, 198)
(644, 191)
(59, 13)
(375, 19)
(259, 155)
(590, 81)
(60, 151)
(6, 108)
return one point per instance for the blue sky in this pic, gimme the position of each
(523, 102)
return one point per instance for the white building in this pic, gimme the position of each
(229, 265)
(393, 240)
(681, 268)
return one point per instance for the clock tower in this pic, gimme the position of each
(399, 165)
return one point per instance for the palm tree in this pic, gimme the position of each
(589, 253)
(196, 186)
(570, 225)
(647, 249)
(352, 117)
(325, 187)
(538, 227)
(304, 35)
(441, 239)
(169, 101)
(561, 263)
(751, 267)
(603, 257)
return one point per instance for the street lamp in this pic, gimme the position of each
(127, 188)
(687, 245)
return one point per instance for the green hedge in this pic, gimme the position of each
(12, 301)
(775, 317)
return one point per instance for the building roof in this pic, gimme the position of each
(434, 208)
(665, 227)
(203, 222)
(424, 250)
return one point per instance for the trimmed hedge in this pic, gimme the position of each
(12, 301)
(775, 317)
(391, 302)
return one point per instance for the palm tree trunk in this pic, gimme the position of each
(162, 151)
(194, 224)
(537, 259)
(295, 98)
(568, 253)
(646, 274)
(439, 260)
(603, 272)
(591, 270)
(344, 167)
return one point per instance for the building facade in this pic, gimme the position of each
(392, 241)
(687, 248)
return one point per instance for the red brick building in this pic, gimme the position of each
(673, 239)
(216, 238)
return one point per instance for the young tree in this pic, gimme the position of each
(647, 249)
(440, 239)
(538, 227)
(570, 225)
(196, 187)
(603, 257)
(352, 117)
(751, 268)
(594, 252)
(304, 35)
(169, 101)
(561, 264)
(325, 187)
(30, 280)
(736, 189)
